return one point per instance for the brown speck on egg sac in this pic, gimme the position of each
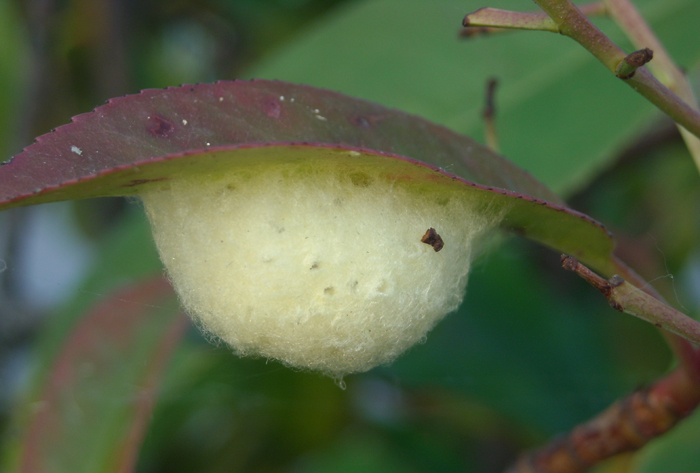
(432, 238)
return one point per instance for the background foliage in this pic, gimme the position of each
(531, 352)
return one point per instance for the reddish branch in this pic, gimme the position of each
(625, 426)
(629, 423)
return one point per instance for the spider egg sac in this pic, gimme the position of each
(326, 267)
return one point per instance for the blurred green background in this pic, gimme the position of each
(532, 351)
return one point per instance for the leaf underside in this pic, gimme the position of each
(134, 141)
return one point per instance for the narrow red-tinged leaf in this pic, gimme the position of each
(93, 410)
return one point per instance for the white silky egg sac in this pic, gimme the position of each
(332, 268)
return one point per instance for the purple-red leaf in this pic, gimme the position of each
(136, 140)
(158, 123)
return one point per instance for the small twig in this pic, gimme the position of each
(625, 297)
(664, 68)
(570, 21)
(633, 61)
(574, 24)
(628, 18)
(493, 17)
(688, 356)
(493, 20)
(489, 115)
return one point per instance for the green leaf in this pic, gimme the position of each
(138, 141)
(560, 114)
(92, 409)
